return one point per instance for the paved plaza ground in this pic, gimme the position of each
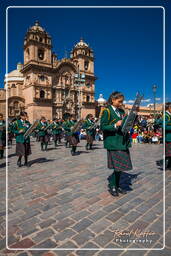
(62, 201)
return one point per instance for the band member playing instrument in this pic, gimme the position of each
(168, 135)
(71, 137)
(23, 147)
(43, 134)
(116, 143)
(55, 126)
(90, 132)
(2, 136)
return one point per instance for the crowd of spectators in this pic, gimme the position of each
(147, 130)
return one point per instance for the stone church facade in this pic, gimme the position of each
(46, 86)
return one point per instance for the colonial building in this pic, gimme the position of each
(45, 85)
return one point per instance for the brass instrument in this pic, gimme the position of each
(94, 126)
(31, 129)
(77, 127)
(47, 127)
(129, 120)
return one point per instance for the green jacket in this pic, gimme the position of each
(113, 138)
(2, 130)
(67, 127)
(86, 125)
(18, 126)
(167, 127)
(40, 127)
(56, 128)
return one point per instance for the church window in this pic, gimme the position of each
(42, 77)
(40, 39)
(13, 86)
(40, 54)
(42, 94)
(88, 85)
(88, 98)
(86, 64)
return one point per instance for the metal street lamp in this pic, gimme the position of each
(79, 81)
(154, 92)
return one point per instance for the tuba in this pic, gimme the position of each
(31, 129)
(77, 127)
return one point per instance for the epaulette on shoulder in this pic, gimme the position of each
(108, 111)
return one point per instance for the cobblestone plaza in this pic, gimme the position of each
(62, 201)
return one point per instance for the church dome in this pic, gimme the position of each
(37, 27)
(81, 44)
(15, 75)
(101, 100)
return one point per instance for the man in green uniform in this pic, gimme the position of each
(168, 135)
(56, 128)
(71, 137)
(42, 133)
(87, 125)
(23, 147)
(2, 136)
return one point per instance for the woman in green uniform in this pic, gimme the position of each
(168, 135)
(116, 143)
(23, 147)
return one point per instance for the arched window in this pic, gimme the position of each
(13, 86)
(40, 39)
(88, 98)
(40, 54)
(42, 94)
(86, 64)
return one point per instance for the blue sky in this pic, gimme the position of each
(127, 42)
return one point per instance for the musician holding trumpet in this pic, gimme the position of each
(116, 141)
(23, 147)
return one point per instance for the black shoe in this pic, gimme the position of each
(19, 163)
(113, 191)
(27, 164)
(121, 191)
(87, 147)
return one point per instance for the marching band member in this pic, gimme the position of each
(2, 136)
(71, 137)
(168, 135)
(116, 143)
(55, 126)
(89, 131)
(23, 147)
(42, 133)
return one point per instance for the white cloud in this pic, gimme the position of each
(147, 100)
(158, 99)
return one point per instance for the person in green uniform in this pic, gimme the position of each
(23, 147)
(71, 137)
(2, 136)
(116, 143)
(10, 132)
(42, 133)
(55, 126)
(87, 125)
(168, 136)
